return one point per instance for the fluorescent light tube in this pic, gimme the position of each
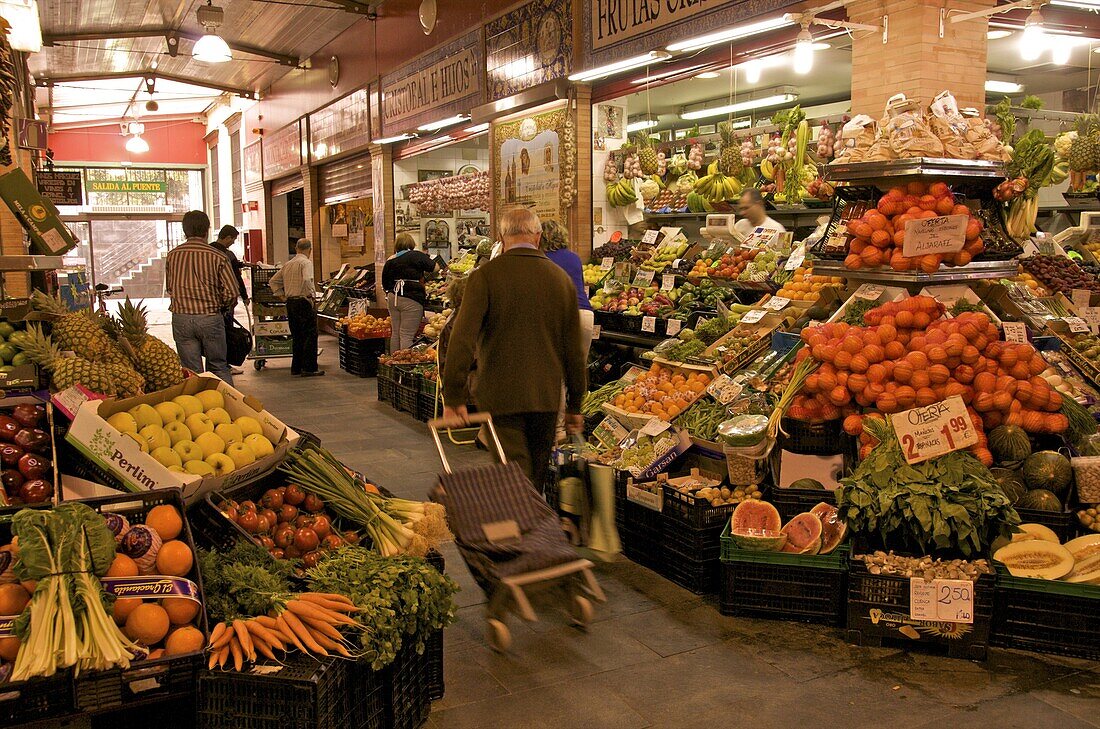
(449, 121)
(739, 31)
(774, 100)
(618, 67)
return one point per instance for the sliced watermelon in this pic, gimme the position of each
(833, 530)
(755, 516)
(803, 534)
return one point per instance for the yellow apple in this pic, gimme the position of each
(260, 446)
(210, 444)
(229, 433)
(199, 423)
(188, 451)
(218, 416)
(123, 423)
(139, 440)
(221, 463)
(145, 415)
(190, 404)
(170, 412)
(177, 432)
(241, 454)
(210, 399)
(249, 425)
(199, 468)
(155, 437)
(176, 469)
(167, 457)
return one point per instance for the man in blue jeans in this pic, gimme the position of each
(200, 281)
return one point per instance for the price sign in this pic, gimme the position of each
(752, 317)
(950, 601)
(723, 310)
(673, 326)
(933, 430)
(1077, 325)
(358, 307)
(677, 262)
(654, 427)
(643, 278)
(871, 292)
(777, 303)
(650, 237)
(1081, 299)
(596, 331)
(607, 263)
(622, 271)
(649, 324)
(1091, 315)
(1015, 331)
(668, 282)
(798, 255)
(1030, 249)
(942, 234)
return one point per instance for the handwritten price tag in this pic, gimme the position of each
(798, 255)
(668, 282)
(752, 317)
(649, 324)
(942, 234)
(871, 292)
(358, 307)
(777, 303)
(643, 278)
(1015, 331)
(933, 430)
(950, 601)
(1081, 299)
(673, 326)
(596, 331)
(677, 262)
(650, 237)
(607, 263)
(1091, 314)
(1077, 325)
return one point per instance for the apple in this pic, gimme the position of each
(32, 466)
(191, 405)
(177, 432)
(261, 446)
(218, 416)
(176, 469)
(11, 480)
(241, 454)
(199, 468)
(229, 433)
(10, 454)
(221, 463)
(210, 444)
(36, 491)
(188, 451)
(123, 423)
(9, 427)
(145, 415)
(155, 437)
(198, 423)
(29, 416)
(210, 399)
(139, 440)
(166, 456)
(33, 439)
(249, 425)
(170, 412)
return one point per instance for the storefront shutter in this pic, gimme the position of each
(286, 184)
(346, 179)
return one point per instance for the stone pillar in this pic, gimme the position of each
(313, 219)
(915, 60)
(381, 160)
(580, 218)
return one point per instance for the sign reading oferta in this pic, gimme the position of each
(616, 20)
(158, 186)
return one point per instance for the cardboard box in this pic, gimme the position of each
(121, 456)
(271, 329)
(49, 236)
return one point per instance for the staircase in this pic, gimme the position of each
(135, 262)
(146, 281)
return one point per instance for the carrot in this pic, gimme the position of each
(213, 661)
(269, 637)
(216, 633)
(330, 596)
(333, 645)
(223, 639)
(341, 606)
(321, 627)
(238, 654)
(266, 621)
(303, 633)
(264, 649)
(245, 639)
(303, 609)
(290, 634)
(222, 654)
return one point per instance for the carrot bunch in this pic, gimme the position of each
(310, 622)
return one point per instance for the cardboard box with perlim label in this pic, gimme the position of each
(49, 236)
(121, 455)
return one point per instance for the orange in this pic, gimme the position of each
(123, 566)
(9, 648)
(123, 607)
(183, 641)
(165, 521)
(181, 611)
(174, 558)
(147, 624)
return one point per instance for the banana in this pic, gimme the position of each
(767, 169)
(712, 167)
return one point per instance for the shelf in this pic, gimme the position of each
(962, 274)
(644, 341)
(916, 167)
(31, 263)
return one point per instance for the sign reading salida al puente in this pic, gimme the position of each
(616, 20)
(445, 81)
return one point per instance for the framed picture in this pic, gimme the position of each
(468, 170)
(425, 175)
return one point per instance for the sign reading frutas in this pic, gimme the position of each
(451, 79)
(49, 236)
(62, 188)
(942, 234)
(616, 20)
(934, 430)
(154, 186)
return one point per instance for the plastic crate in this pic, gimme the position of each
(1062, 523)
(1047, 616)
(407, 399)
(302, 692)
(783, 586)
(72, 721)
(704, 544)
(151, 680)
(694, 512)
(38, 700)
(639, 527)
(811, 439)
(425, 408)
(791, 502)
(878, 612)
(698, 576)
(406, 689)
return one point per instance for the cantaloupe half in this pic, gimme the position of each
(1036, 558)
(1035, 531)
(1085, 570)
(1083, 547)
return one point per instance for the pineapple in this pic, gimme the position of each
(128, 381)
(152, 358)
(647, 155)
(75, 331)
(1082, 150)
(729, 154)
(66, 371)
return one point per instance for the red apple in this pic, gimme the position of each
(36, 491)
(32, 466)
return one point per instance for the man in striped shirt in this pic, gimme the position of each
(199, 279)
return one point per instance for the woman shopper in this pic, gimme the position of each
(403, 281)
(555, 243)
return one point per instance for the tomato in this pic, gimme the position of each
(304, 520)
(284, 535)
(313, 504)
(351, 537)
(232, 512)
(262, 524)
(332, 541)
(311, 558)
(267, 543)
(277, 553)
(288, 513)
(272, 499)
(294, 495)
(306, 540)
(292, 552)
(249, 521)
(271, 516)
(247, 505)
(322, 525)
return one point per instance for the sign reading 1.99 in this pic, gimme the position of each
(934, 430)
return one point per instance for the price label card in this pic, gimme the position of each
(1077, 325)
(871, 292)
(1015, 331)
(752, 317)
(1030, 249)
(654, 427)
(596, 331)
(934, 430)
(650, 237)
(607, 263)
(950, 601)
(798, 255)
(668, 282)
(1081, 299)
(777, 303)
(1091, 315)
(677, 262)
(649, 324)
(942, 234)
(723, 389)
(358, 307)
(723, 310)
(673, 326)
(643, 278)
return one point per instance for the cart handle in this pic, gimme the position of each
(437, 424)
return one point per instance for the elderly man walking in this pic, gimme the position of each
(294, 284)
(519, 313)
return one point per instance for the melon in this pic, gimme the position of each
(1035, 531)
(1084, 570)
(803, 534)
(756, 515)
(1009, 444)
(1011, 483)
(758, 540)
(1048, 470)
(1039, 500)
(1035, 558)
(1083, 547)
(833, 530)
(808, 483)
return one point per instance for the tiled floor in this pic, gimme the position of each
(658, 656)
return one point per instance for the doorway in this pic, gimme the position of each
(288, 224)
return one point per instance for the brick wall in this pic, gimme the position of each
(915, 60)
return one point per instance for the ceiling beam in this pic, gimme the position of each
(171, 38)
(369, 8)
(76, 78)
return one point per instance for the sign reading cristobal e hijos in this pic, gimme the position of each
(451, 79)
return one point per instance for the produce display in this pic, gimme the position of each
(757, 526)
(423, 355)
(1036, 552)
(25, 454)
(804, 285)
(594, 273)
(458, 192)
(634, 301)
(1059, 273)
(662, 392)
(365, 326)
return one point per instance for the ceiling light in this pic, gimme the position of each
(1060, 52)
(1079, 4)
(137, 145)
(650, 77)
(820, 46)
(708, 74)
(620, 66)
(997, 34)
(1032, 40)
(152, 105)
(395, 138)
(478, 129)
(644, 122)
(25, 32)
(753, 70)
(765, 101)
(804, 52)
(1003, 87)
(739, 31)
(449, 121)
(211, 48)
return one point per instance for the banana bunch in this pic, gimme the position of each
(767, 169)
(717, 187)
(621, 193)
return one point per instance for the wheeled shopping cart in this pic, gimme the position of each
(267, 321)
(509, 538)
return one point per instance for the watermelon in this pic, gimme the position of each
(1009, 444)
(833, 530)
(755, 525)
(758, 540)
(1048, 470)
(803, 534)
(1011, 483)
(808, 483)
(1039, 500)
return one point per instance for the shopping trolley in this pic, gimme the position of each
(509, 537)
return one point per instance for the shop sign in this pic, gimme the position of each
(934, 430)
(49, 236)
(341, 126)
(252, 163)
(154, 186)
(31, 133)
(616, 20)
(528, 46)
(282, 151)
(432, 86)
(62, 188)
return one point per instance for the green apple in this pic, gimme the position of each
(210, 399)
(170, 412)
(241, 454)
(230, 433)
(260, 446)
(221, 463)
(177, 432)
(166, 456)
(199, 468)
(123, 423)
(249, 425)
(176, 469)
(199, 423)
(145, 415)
(139, 440)
(190, 404)
(155, 437)
(188, 451)
(218, 416)
(210, 444)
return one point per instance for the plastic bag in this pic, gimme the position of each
(856, 137)
(908, 133)
(979, 132)
(950, 127)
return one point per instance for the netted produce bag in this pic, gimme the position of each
(908, 132)
(856, 137)
(950, 127)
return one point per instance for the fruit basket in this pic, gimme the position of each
(1047, 616)
(692, 511)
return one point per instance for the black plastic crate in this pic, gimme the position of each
(703, 544)
(791, 502)
(38, 700)
(693, 512)
(812, 439)
(301, 692)
(1047, 616)
(425, 408)
(406, 689)
(70, 721)
(146, 681)
(699, 576)
(1062, 523)
(878, 614)
(407, 399)
(179, 713)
